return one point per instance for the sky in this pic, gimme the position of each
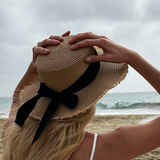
(134, 24)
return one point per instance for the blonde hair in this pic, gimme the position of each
(58, 141)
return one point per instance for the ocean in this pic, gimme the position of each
(112, 103)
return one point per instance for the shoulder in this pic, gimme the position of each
(129, 141)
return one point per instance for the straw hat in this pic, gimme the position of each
(61, 69)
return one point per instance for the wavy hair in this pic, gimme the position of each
(59, 139)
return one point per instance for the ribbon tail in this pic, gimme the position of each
(45, 119)
(24, 111)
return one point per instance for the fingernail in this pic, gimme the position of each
(34, 66)
(47, 50)
(72, 47)
(61, 39)
(88, 59)
(70, 41)
(57, 42)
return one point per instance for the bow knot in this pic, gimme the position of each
(44, 91)
(68, 99)
(57, 95)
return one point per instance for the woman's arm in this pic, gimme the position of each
(29, 77)
(149, 72)
(114, 52)
(131, 141)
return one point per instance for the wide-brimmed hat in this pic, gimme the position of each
(65, 76)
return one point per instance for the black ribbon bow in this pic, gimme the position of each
(66, 97)
(70, 100)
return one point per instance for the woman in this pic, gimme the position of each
(66, 138)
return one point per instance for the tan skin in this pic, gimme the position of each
(124, 143)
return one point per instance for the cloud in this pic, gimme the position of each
(134, 24)
(66, 10)
(152, 10)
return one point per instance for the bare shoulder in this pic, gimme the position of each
(130, 141)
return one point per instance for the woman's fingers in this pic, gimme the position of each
(94, 58)
(101, 42)
(52, 40)
(48, 42)
(83, 36)
(60, 38)
(66, 34)
(39, 50)
(106, 57)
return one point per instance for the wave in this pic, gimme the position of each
(4, 114)
(128, 105)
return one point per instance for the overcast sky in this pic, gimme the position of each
(132, 23)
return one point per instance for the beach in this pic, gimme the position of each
(101, 124)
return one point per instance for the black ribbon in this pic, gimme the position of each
(66, 96)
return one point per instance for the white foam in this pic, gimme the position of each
(4, 115)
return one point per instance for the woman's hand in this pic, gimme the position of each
(40, 48)
(113, 52)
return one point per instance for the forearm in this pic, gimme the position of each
(29, 77)
(149, 72)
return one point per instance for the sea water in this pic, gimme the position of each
(5, 105)
(129, 103)
(112, 103)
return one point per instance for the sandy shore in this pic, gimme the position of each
(101, 124)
